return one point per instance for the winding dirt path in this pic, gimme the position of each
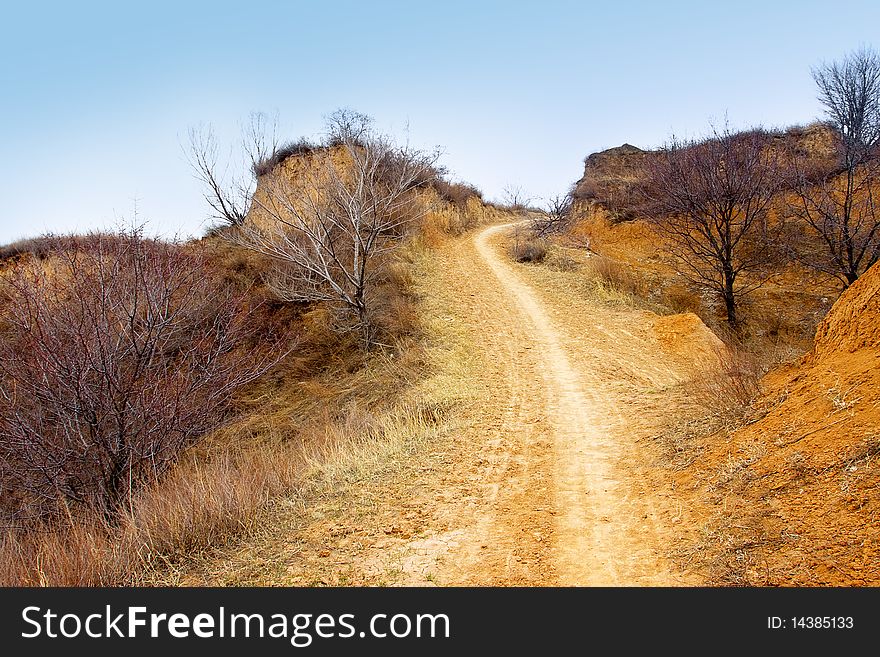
(546, 476)
(602, 531)
(588, 539)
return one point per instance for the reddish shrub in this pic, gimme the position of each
(117, 352)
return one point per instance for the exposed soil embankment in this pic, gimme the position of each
(797, 491)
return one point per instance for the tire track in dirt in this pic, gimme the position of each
(594, 540)
(499, 535)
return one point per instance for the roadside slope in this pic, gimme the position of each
(794, 493)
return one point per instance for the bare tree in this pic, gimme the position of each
(515, 198)
(710, 200)
(329, 225)
(840, 202)
(229, 191)
(347, 126)
(850, 92)
(116, 353)
(553, 219)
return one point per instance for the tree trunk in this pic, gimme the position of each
(729, 297)
(365, 327)
(112, 493)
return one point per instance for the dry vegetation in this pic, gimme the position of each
(328, 408)
(528, 249)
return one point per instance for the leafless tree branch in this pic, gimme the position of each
(839, 203)
(329, 225)
(116, 353)
(710, 200)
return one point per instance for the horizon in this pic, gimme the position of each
(100, 97)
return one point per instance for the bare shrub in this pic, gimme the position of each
(117, 353)
(37, 246)
(528, 249)
(554, 217)
(514, 198)
(728, 390)
(228, 191)
(458, 194)
(722, 397)
(330, 230)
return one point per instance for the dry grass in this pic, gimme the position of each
(446, 219)
(727, 390)
(727, 548)
(197, 505)
(367, 447)
(722, 397)
(680, 299)
(682, 443)
(613, 283)
(588, 276)
(616, 276)
(528, 249)
(560, 261)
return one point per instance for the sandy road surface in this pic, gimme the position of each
(562, 411)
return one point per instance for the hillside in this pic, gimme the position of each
(446, 208)
(784, 487)
(281, 432)
(611, 177)
(794, 495)
(609, 217)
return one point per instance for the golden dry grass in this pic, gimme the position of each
(197, 505)
(578, 272)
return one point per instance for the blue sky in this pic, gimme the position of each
(97, 98)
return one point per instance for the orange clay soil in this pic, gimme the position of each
(797, 491)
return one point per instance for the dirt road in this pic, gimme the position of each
(566, 502)
(593, 538)
(547, 476)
